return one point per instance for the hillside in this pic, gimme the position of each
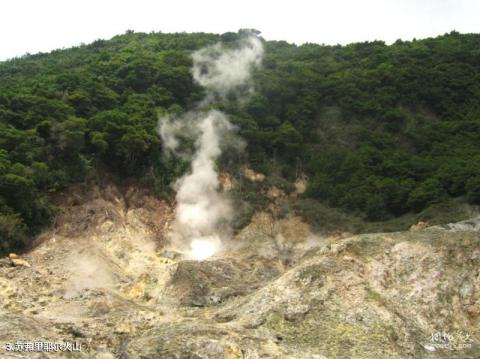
(103, 277)
(379, 131)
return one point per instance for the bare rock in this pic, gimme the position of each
(419, 226)
(5, 262)
(17, 261)
(296, 312)
(252, 175)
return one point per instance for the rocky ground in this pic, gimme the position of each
(102, 277)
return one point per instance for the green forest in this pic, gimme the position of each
(379, 130)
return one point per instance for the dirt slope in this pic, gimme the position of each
(102, 277)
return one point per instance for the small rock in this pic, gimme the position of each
(295, 313)
(76, 332)
(419, 226)
(215, 299)
(255, 322)
(122, 328)
(252, 175)
(18, 262)
(5, 262)
(338, 247)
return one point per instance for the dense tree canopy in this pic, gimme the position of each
(379, 130)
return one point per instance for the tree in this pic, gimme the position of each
(428, 192)
(473, 190)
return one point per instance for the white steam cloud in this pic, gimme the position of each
(226, 71)
(203, 212)
(87, 271)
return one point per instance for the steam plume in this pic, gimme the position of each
(226, 71)
(203, 213)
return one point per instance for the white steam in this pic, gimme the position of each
(87, 272)
(167, 131)
(224, 71)
(203, 213)
(201, 208)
